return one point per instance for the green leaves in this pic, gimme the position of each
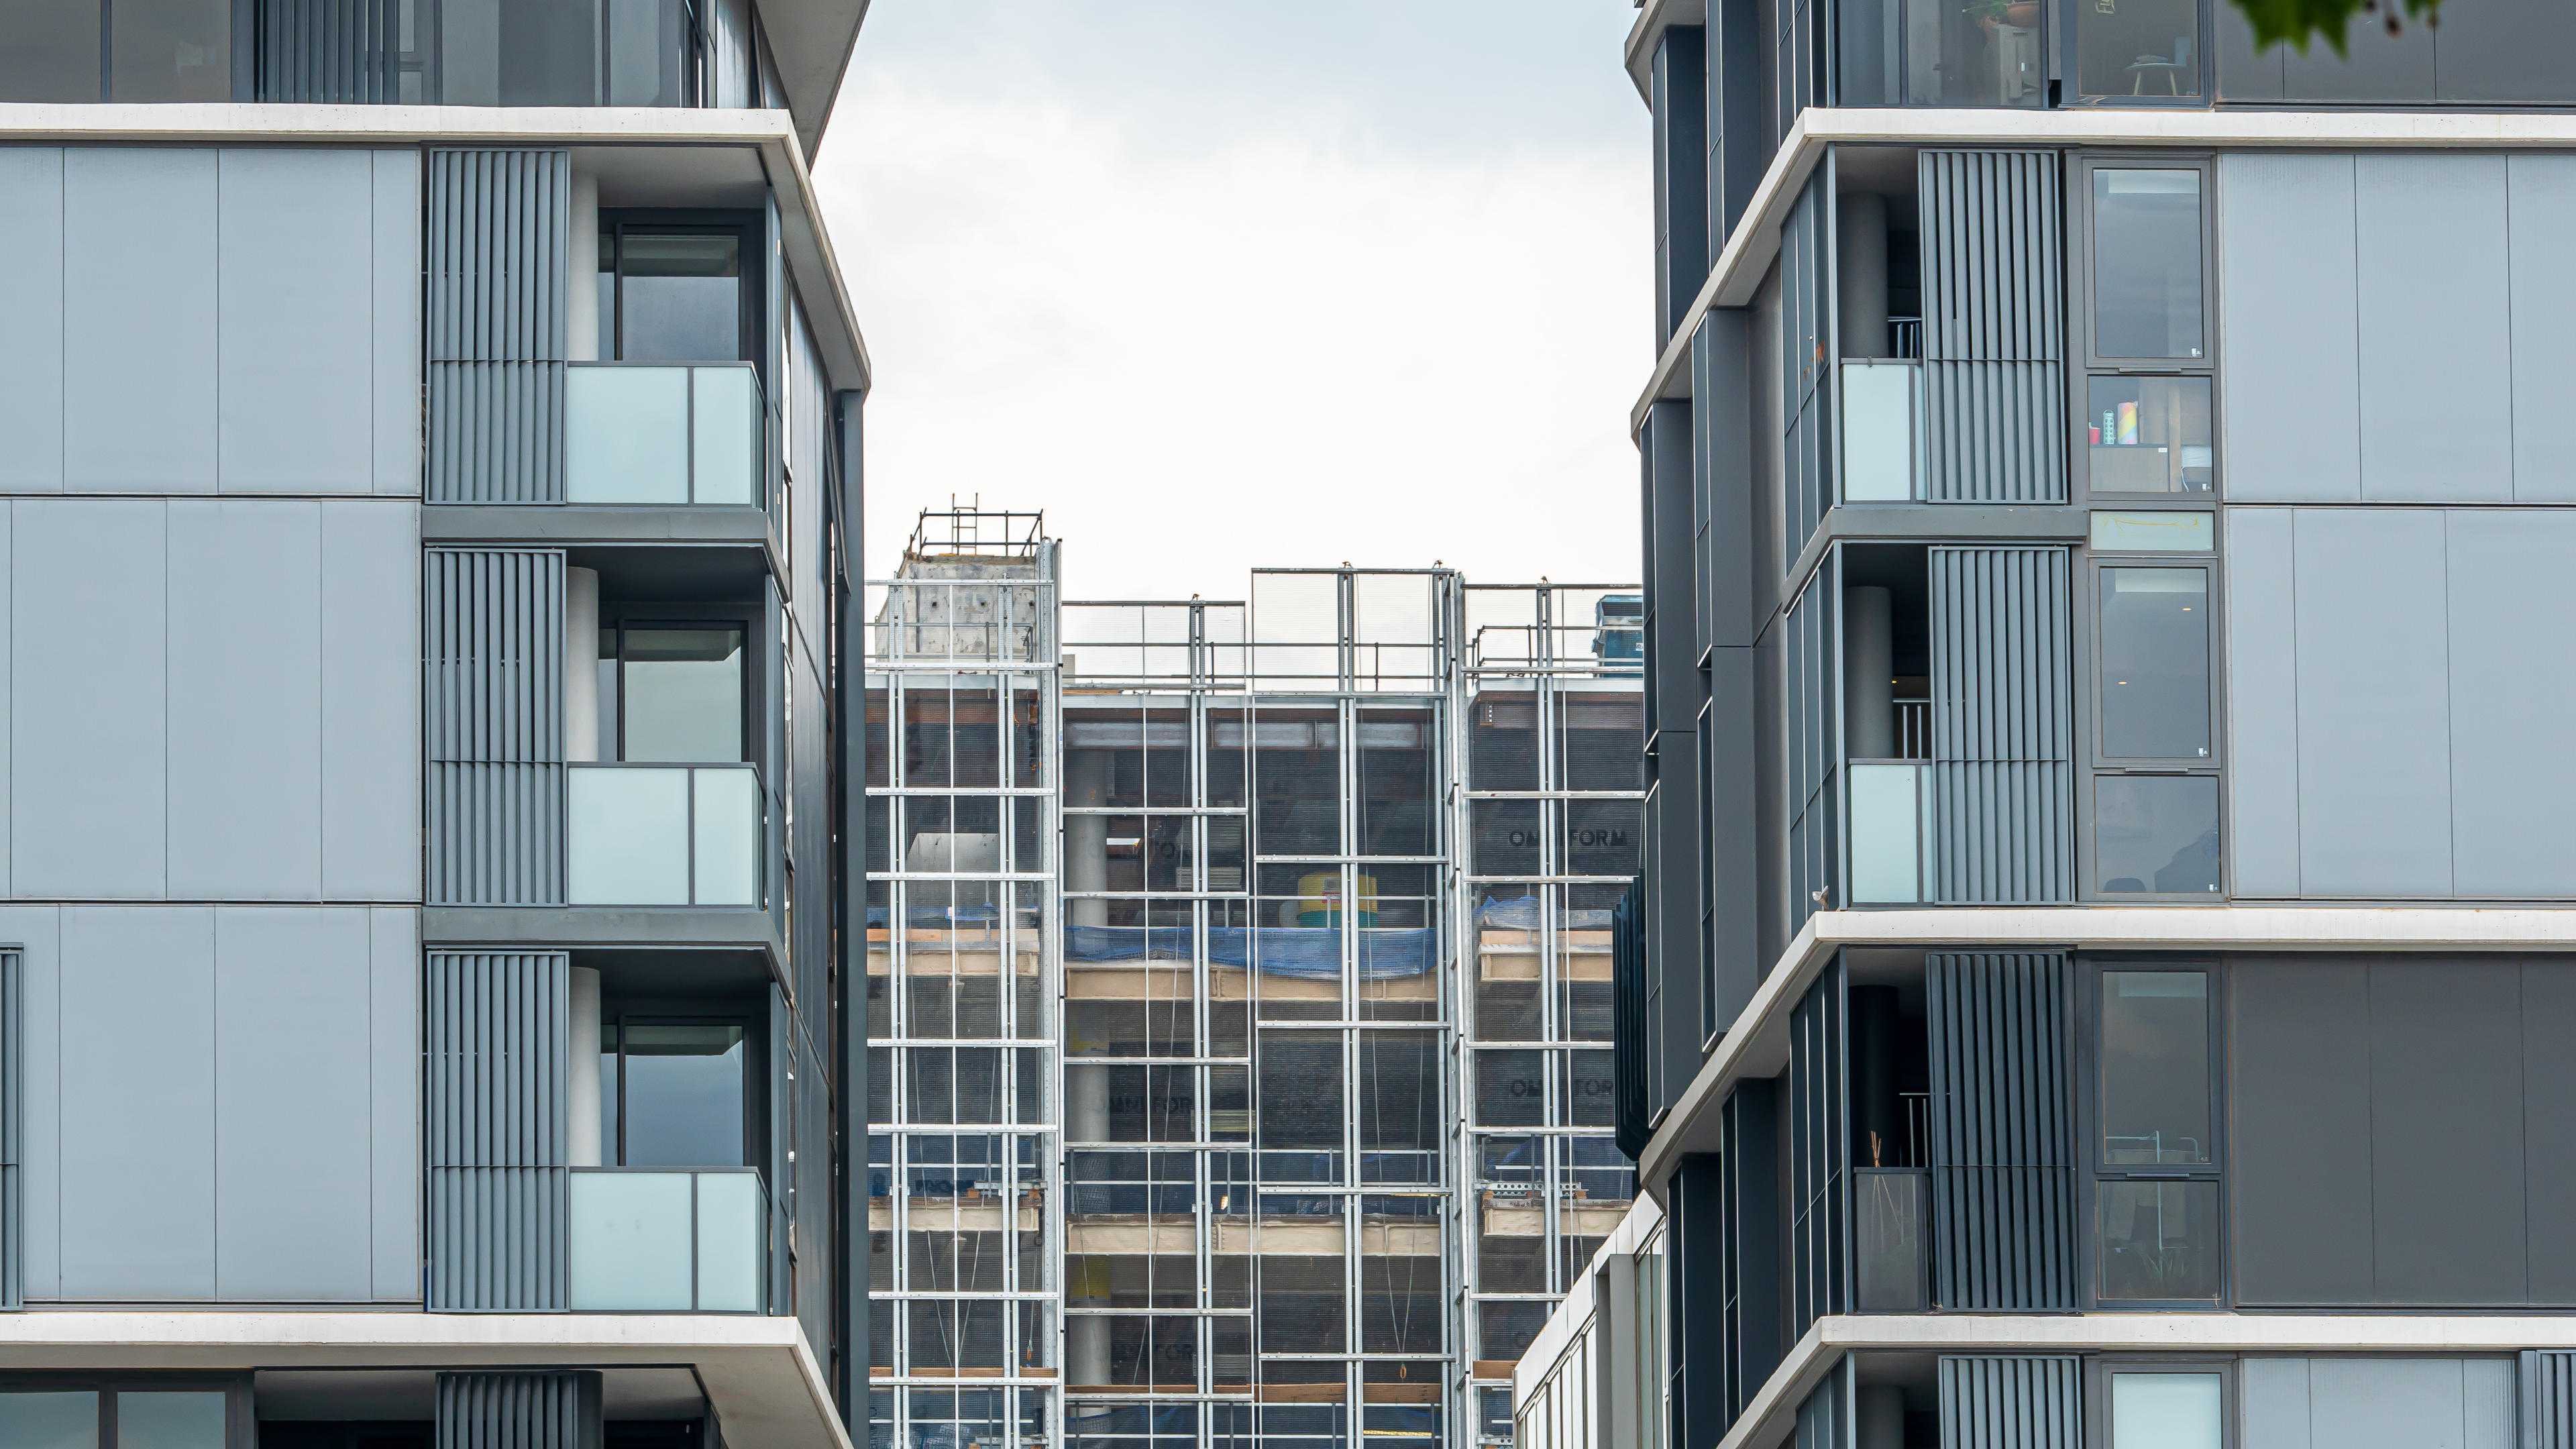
(2298, 22)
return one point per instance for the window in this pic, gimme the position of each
(2137, 49)
(72, 1414)
(2154, 663)
(49, 50)
(674, 1093)
(2167, 1410)
(2149, 435)
(673, 293)
(2147, 299)
(672, 694)
(2154, 742)
(2145, 421)
(156, 50)
(2156, 1192)
(2156, 834)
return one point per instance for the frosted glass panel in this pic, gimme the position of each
(723, 450)
(2164, 1411)
(1880, 403)
(1887, 834)
(626, 434)
(169, 1421)
(49, 1421)
(629, 836)
(729, 1242)
(630, 1241)
(727, 833)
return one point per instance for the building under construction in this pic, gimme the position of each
(1239, 995)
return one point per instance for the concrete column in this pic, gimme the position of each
(582, 306)
(1879, 1415)
(581, 665)
(1869, 666)
(1086, 837)
(1861, 273)
(586, 1145)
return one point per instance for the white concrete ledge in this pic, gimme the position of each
(758, 1370)
(808, 245)
(1746, 258)
(1756, 1044)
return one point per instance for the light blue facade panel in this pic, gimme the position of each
(2288, 328)
(393, 1101)
(31, 297)
(2436, 337)
(2374, 703)
(2276, 1402)
(245, 668)
(294, 1188)
(2402, 1403)
(139, 320)
(370, 765)
(2262, 703)
(37, 933)
(88, 706)
(8, 516)
(138, 1103)
(2541, 192)
(297, 282)
(2512, 701)
(395, 395)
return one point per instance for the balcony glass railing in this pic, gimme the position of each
(1940, 53)
(1890, 1209)
(664, 433)
(1882, 414)
(665, 835)
(1889, 820)
(668, 1240)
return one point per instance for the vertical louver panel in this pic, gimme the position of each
(1814, 737)
(1749, 1263)
(13, 1118)
(2013, 1403)
(1819, 1156)
(498, 257)
(2548, 1400)
(333, 52)
(1994, 383)
(2003, 726)
(492, 693)
(496, 1124)
(519, 1410)
(2003, 1188)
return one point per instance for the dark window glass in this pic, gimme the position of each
(682, 699)
(679, 297)
(193, 1419)
(170, 50)
(2128, 48)
(2155, 663)
(648, 51)
(2159, 1241)
(48, 50)
(548, 52)
(2149, 435)
(686, 1093)
(64, 1420)
(611, 1089)
(2146, 263)
(2155, 1068)
(2156, 834)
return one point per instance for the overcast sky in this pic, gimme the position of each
(1226, 283)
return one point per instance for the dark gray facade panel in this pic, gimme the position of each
(2510, 52)
(2549, 1130)
(2262, 703)
(519, 1410)
(2301, 1211)
(2004, 1220)
(1994, 381)
(496, 1036)
(1738, 149)
(496, 325)
(1819, 1102)
(2246, 71)
(1672, 639)
(1749, 1259)
(2446, 1131)
(331, 52)
(1812, 716)
(1674, 911)
(2289, 327)
(492, 690)
(1722, 461)
(2437, 417)
(1695, 1241)
(2034, 1402)
(1732, 840)
(1677, 80)
(2372, 66)
(2003, 725)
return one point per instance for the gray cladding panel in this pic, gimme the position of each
(2374, 703)
(2436, 396)
(2445, 1112)
(2275, 1410)
(2372, 65)
(2301, 1199)
(2508, 51)
(1994, 382)
(139, 319)
(2013, 1403)
(2512, 708)
(370, 702)
(396, 282)
(2002, 725)
(2289, 327)
(2541, 195)
(393, 1016)
(296, 405)
(2262, 703)
(31, 296)
(2399, 1403)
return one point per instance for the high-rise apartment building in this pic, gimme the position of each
(428, 478)
(2102, 974)
(1294, 1117)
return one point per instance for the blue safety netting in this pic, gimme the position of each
(1312, 952)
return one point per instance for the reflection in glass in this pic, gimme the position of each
(168, 50)
(51, 53)
(193, 1420)
(50, 1420)
(2126, 48)
(683, 694)
(685, 1093)
(2165, 1411)
(2155, 834)
(2159, 1241)
(2146, 263)
(1940, 53)
(679, 296)
(2155, 1067)
(2148, 435)
(2155, 663)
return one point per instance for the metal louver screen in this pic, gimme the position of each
(492, 644)
(519, 1410)
(2003, 1180)
(2548, 1400)
(332, 52)
(1994, 378)
(497, 1037)
(2003, 726)
(498, 256)
(2027, 1403)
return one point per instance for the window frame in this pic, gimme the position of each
(239, 1427)
(2096, 765)
(2100, 1369)
(617, 1016)
(2085, 360)
(2097, 1169)
(750, 718)
(2069, 53)
(752, 316)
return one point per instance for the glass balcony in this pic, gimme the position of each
(1882, 405)
(662, 433)
(1890, 1208)
(669, 1240)
(1889, 824)
(665, 835)
(1940, 53)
